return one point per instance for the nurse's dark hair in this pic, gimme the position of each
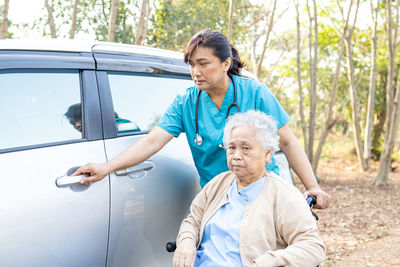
(220, 46)
(74, 112)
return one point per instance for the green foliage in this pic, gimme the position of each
(92, 18)
(174, 22)
(328, 40)
(97, 14)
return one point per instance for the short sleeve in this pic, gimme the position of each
(172, 121)
(268, 103)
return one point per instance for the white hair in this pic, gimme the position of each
(265, 126)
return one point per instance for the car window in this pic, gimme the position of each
(140, 101)
(34, 106)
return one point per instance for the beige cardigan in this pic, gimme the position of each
(277, 228)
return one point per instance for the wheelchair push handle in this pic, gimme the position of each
(171, 246)
(311, 201)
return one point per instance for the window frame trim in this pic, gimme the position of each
(107, 104)
(91, 116)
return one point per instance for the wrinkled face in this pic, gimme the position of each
(76, 123)
(207, 70)
(245, 154)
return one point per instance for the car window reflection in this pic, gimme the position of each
(33, 104)
(143, 99)
(74, 116)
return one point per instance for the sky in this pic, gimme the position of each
(24, 11)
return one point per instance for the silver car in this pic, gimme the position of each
(63, 104)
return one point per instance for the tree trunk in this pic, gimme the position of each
(386, 155)
(301, 105)
(313, 54)
(354, 106)
(353, 93)
(253, 54)
(111, 22)
(269, 27)
(378, 129)
(372, 82)
(141, 29)
(392, 113)
(329, 122)
(4, 23)
(230, 20)
(51, 19)
(73, 19)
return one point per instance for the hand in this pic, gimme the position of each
(323, 198)
(96, 172)
(185, 253)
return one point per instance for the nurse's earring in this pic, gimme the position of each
(198, 140)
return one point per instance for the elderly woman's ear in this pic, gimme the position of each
(268, 155)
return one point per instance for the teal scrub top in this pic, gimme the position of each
(210, 158)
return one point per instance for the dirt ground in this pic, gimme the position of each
(362, 226)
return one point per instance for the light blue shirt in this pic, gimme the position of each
(209, 158)
(220, 243)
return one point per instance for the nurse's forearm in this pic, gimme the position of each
(297, 158)
(141, 150)
(300, 164)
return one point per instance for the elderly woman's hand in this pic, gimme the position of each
(185, 253)
(323, 198)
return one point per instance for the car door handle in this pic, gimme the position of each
(69, 180)
(144, 166)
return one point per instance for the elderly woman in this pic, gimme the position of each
(249, 216)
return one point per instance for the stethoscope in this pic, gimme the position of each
(198, 140)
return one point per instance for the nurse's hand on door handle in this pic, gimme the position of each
(92, 172)
(68, 179)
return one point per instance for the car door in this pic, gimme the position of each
(149, 200)
(42, 223)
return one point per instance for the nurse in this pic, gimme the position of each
(201, 113)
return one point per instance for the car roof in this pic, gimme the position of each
(95, 47)
(66, 45)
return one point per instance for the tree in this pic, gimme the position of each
(89, 17)
(392, 104)
(173, 23)
(329, 121)
(269, 26)
(73, 19)
(4, 23)
(141, 28)
(259, 36)
(230, 21)
(372, 84)
(299, 78)
(313, 55)
(111, 22)
(51, 19)
(353, 91)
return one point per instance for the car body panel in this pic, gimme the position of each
(44, 225)
(149, 205)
